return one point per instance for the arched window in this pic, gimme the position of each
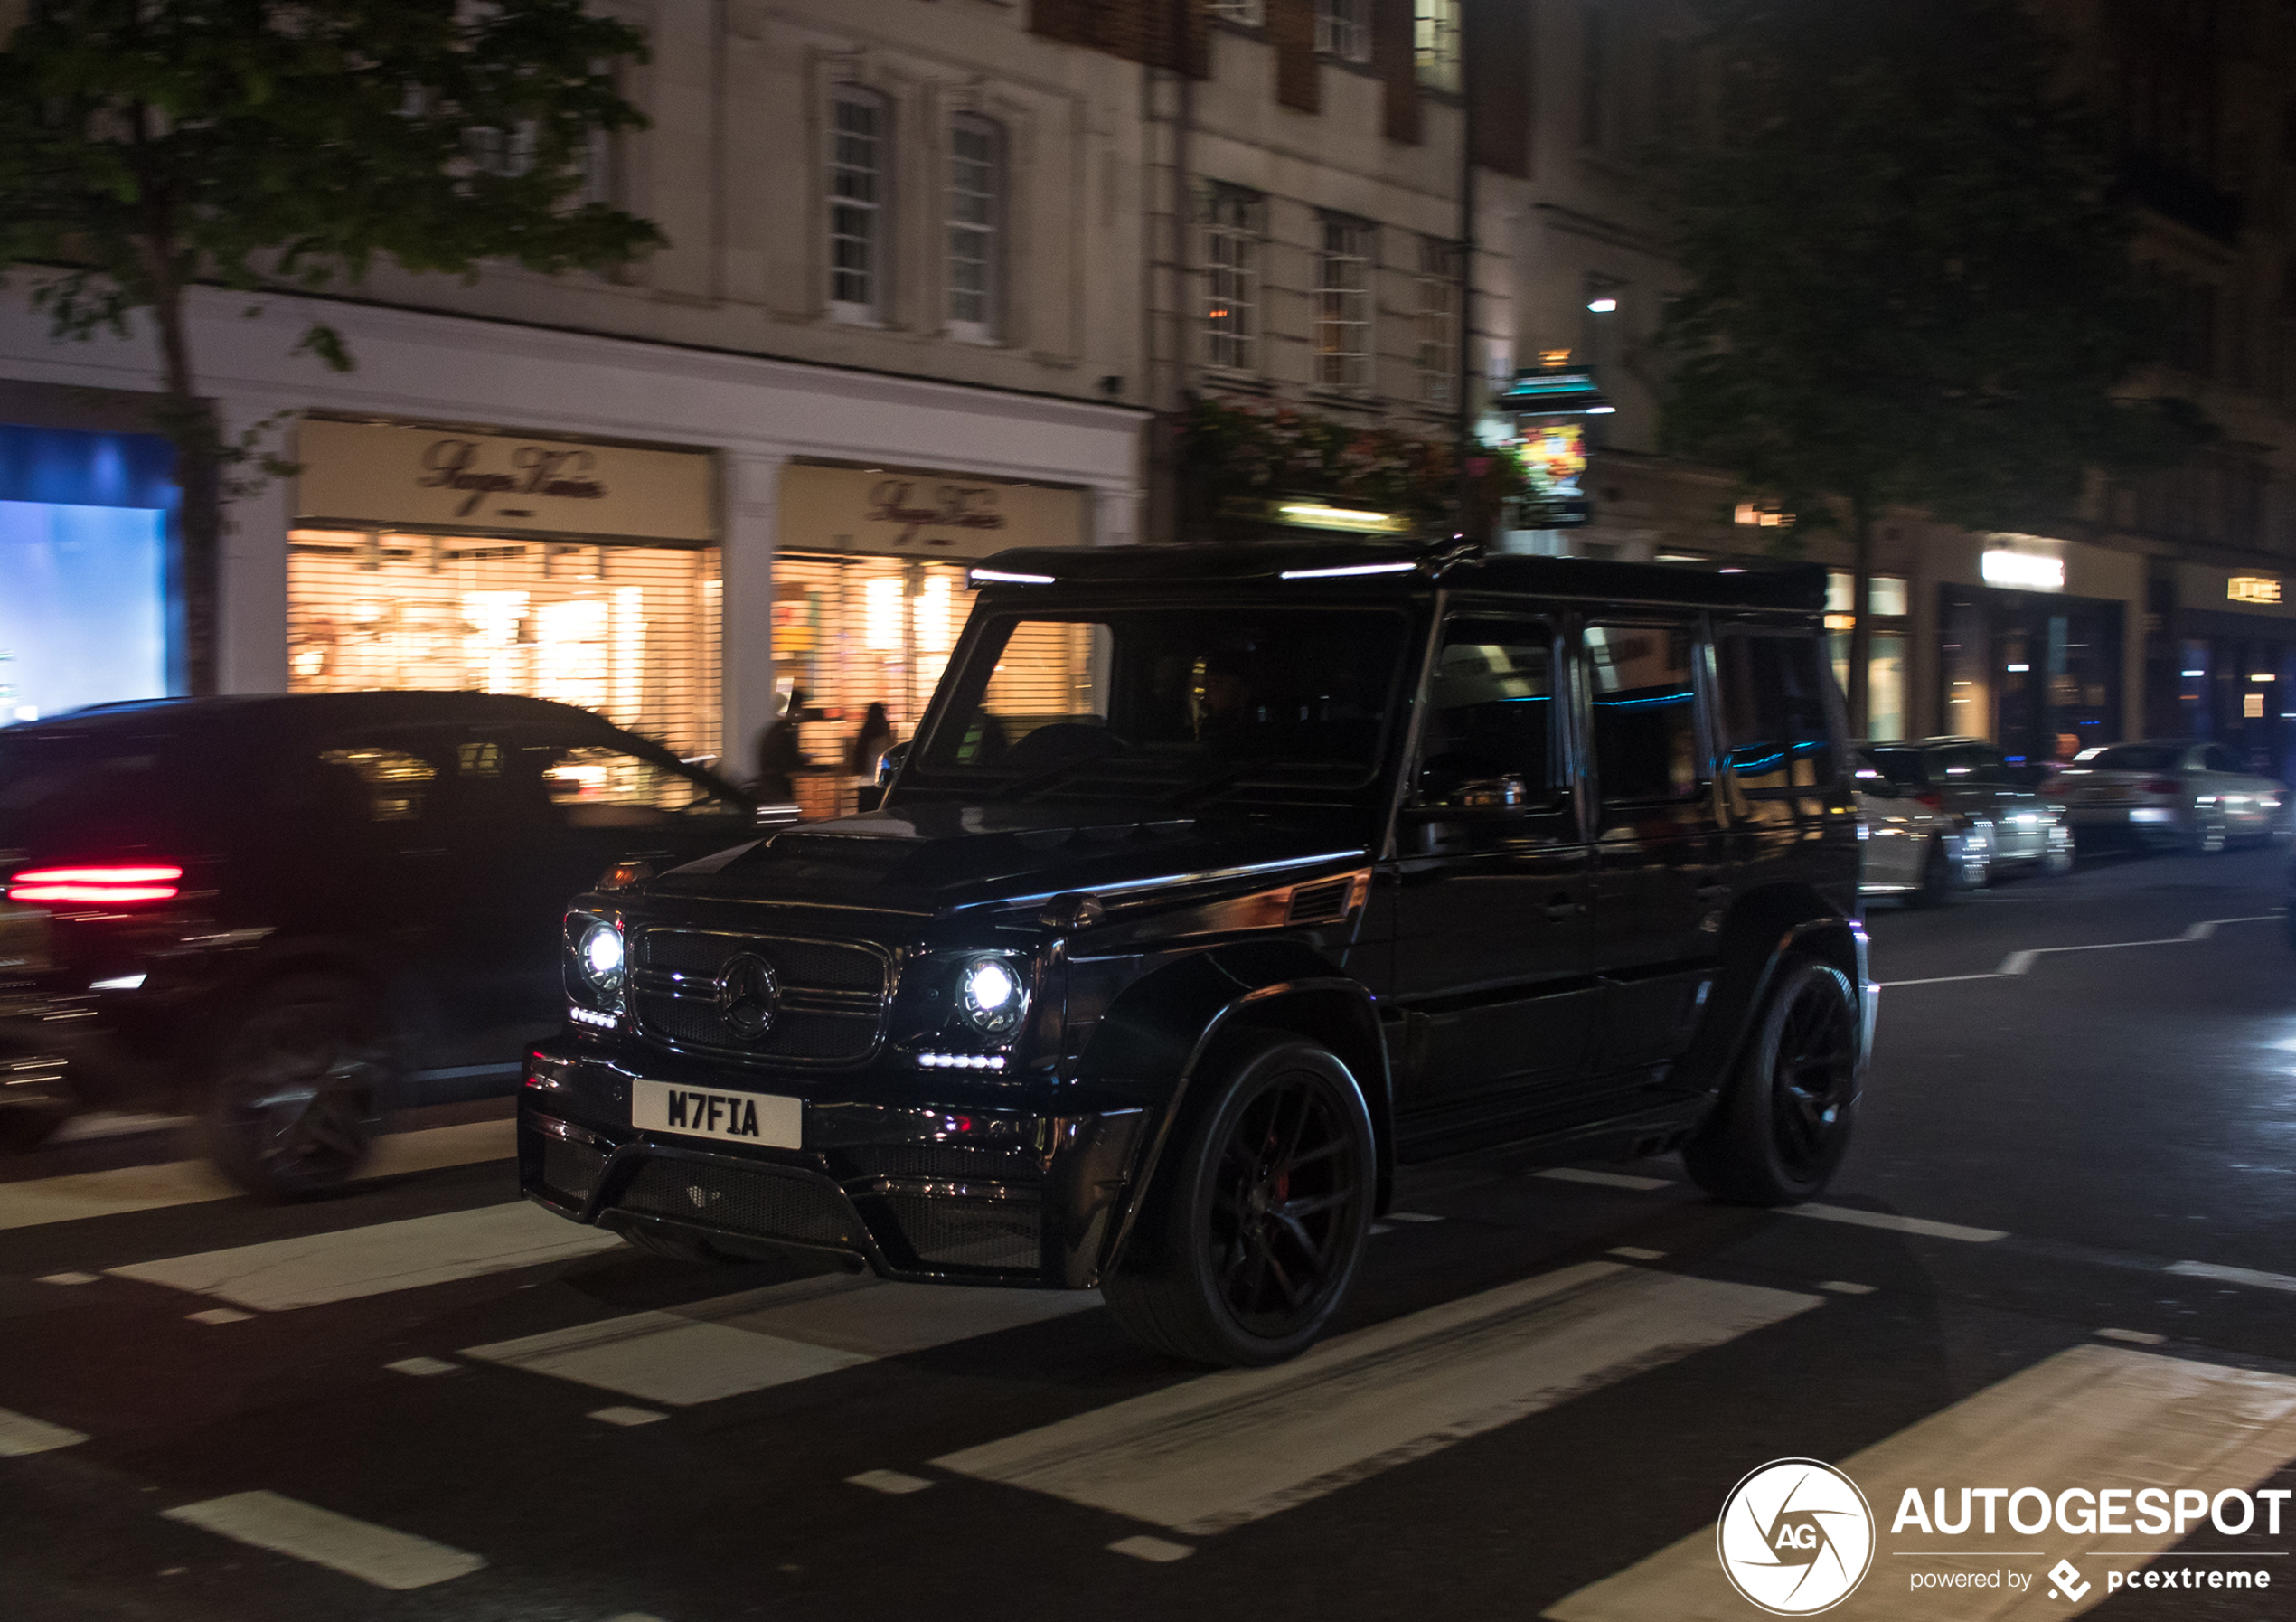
(976, 227)
(859, 150)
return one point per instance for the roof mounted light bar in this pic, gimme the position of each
(1342, 570)
(998, 577)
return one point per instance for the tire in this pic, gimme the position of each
(1784, 1125)
(299, 1075)
(1258, 1219)
(674, 1246)
(1936, 877)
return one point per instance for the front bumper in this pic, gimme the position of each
(953, 1193)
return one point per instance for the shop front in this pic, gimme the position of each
(583, 571)
(2035, 641)
(2236, 638)
(871, 592)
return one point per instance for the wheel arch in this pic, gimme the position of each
(271, 964)
(1763, 925)
(1180, 1018)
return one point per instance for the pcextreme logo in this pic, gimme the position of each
(1796, 1537)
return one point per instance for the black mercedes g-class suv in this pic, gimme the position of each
(1335, 858)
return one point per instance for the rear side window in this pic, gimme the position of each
(1901, 768)
(1491, 711)
(1646, 716)
(1776, 726)
(2218, 758)
(85, 790)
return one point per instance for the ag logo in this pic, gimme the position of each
(1796, 1537)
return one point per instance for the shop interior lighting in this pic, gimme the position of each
(2192, 675)
(2031, 571)
(2263, 675)
(2019, 669)
(1604, 305)
(2251, 588)
(1316, 515)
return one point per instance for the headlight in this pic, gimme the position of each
(600, 953)
(991, 995)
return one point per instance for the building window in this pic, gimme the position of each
(1231, 279)
(976, 208)
(1436, 42)
(1244, 14)
(1595, 112)
(856, 204)
(1438, 318)
(1343, 306)
(1343, 29)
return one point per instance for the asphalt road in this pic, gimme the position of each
(2062, 1254)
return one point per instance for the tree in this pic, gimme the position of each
(147, 146)
(1909, 280)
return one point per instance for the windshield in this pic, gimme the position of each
(2132, 757)
(1169, 703)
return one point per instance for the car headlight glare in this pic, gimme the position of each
(991, 995)
(600, 952)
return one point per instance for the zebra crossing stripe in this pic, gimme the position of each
(1226, 1448)
(21, 1434)
(735, 1345)
(82, 1194)
(316, 1269)
(2096, 1417)
(375, 1554)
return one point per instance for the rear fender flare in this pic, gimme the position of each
(1761, 929)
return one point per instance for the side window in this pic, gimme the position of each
(1961, 763)
(365, 782)
(2218, 758)
(1774, 710)
(1645, 719)
(598, 788)
(1491, 717)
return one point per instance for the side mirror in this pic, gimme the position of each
(889, 763)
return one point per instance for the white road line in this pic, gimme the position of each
(1843, 1287)
(1411, 1216)
(82, 1194)
(218, 1314)
(102, 1124)
(2134, 1338)
(2229, 1275)
(2019, 962)
(65, 1278)
(2101, 1416)
(421, 1367)
(1894, 1224)
(1636, 1253)
(739, 1344)
(1226, 1448)
(371, 1553)
(1571, 1174)
(321, 1267)
(21, 1434)
(618, 1415)
(888, 1481)
(1151, 1548)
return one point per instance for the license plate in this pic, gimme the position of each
(739, 1117)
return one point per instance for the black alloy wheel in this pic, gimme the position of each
(1260, 1228)
(291, 1110)
(1784, 1124)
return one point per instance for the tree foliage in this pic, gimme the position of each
(150, 146)
(1909, 272)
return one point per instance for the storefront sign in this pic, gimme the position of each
(2251, 588)
(863, 510)
(384, 474)
(2201, 589)
(1554, 460)
(2023, 571)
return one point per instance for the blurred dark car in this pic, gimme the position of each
(1969, 779)
(290, 914)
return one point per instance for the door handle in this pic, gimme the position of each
(1710, 893)
(1562, 907)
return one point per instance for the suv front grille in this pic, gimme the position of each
(829, 1006)
(742, 1202)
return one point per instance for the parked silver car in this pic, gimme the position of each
(2171, 791)
(1970, 778)
(1913, 849)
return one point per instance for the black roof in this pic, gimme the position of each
(330, 710)
(1398, 565)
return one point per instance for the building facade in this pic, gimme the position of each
(895, 327)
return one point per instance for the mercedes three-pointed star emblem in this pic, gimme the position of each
(748, 997)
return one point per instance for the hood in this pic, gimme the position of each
(935, 860)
